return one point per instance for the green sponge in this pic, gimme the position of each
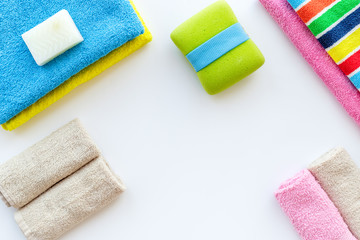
(234, 65)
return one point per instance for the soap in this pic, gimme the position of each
(52, 37)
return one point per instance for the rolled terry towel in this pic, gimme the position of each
(82, 77)
(104, 25)
(32, 172)
(315, 55)
(310, 210)
(339, 176)
(69, 202)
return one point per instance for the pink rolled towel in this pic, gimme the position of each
(315, 55)
(310, 210)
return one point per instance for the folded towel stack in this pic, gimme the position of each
(57, 183)
(323, 202)
(335, 23)
(118, 33)
(312, 51)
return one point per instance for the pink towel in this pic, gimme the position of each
(310, 210)
(315, 55)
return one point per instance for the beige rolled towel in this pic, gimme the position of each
(69, 202)
(32, 172)
(339, 176)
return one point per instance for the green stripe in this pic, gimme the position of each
(332, 15)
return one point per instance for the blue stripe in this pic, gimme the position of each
(217, 46)
(356, 80)
(340, 30)
(296, 3)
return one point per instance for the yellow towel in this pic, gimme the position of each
(85, 75)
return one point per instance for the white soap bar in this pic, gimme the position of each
(52, 37)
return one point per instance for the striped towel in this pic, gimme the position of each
(336, 24)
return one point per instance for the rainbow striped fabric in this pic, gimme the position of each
(336, 24)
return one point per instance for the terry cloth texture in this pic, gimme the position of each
(82, 77)
(339, 176)
(32, 172)
(69, 202)
(336, 25)
(315, 55)
(232, 66)
(105, 26)
(310, 210)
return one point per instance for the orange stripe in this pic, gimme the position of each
(312, 8)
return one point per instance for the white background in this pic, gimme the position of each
(196, 166)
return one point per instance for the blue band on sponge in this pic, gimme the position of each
(217, 46)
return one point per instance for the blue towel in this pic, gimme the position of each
(104, 24)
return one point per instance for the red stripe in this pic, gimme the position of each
(351, 64)
(312, 8)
